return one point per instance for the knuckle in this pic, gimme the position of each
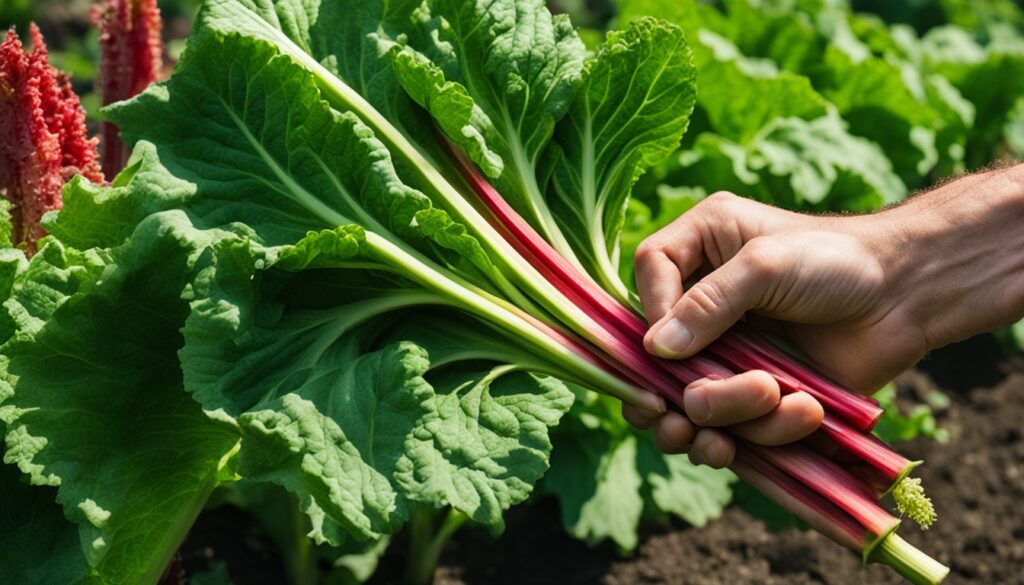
(646, 251)
(706, 297)
(763, 258)
(765, 390)
(810, 413)
(720, 198)
(723, 204)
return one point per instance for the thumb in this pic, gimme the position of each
(716, 302)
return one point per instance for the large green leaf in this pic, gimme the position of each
(279, 148)
(120, 418)
(496, 77)
(344, 411)
(286, 162)
(630, 114)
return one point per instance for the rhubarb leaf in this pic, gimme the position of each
(342, 412)
(608, 476)
(286, 162)
(629, 115)
(595, 478)
(121, 417)
(95, 216)
(797, 164)
(484, 440)
(38, 546)
(694, 493)
(496, 76)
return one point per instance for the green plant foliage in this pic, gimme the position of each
(897, 425)
(608, 476)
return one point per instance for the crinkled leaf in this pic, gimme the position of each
(95, 216)
(348, 38)
(343, 413)
(120, 417)
(269, 152)
(496, 77)
(484, 441)
(336, 439)
(798, 164)
(630, 114)
(285, 162)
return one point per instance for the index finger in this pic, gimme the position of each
(658, 281)
(668, 257)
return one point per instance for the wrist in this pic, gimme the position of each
(954, 257)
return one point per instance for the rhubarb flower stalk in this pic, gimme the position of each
(132, 57)
(43, 139)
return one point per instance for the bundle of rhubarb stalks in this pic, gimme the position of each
(837, 494)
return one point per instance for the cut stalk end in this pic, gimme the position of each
(912, 564)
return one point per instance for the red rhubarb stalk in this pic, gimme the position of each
(829, 480)
(828, 519)
(785, 363)
(743, 354)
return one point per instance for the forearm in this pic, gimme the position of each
(956, 255)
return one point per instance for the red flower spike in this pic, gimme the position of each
(132, 57)
(43, 139)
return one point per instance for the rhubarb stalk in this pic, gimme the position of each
(828, 519)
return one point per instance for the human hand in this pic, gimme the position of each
(857, 294)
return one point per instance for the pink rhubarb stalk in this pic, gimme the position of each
(43, 139)
(132, 57)
(860, 411)
(829, 480)
(828, 519)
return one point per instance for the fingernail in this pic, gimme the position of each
(697, 407)
(672, 339)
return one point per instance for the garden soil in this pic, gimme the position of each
(976, 482)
